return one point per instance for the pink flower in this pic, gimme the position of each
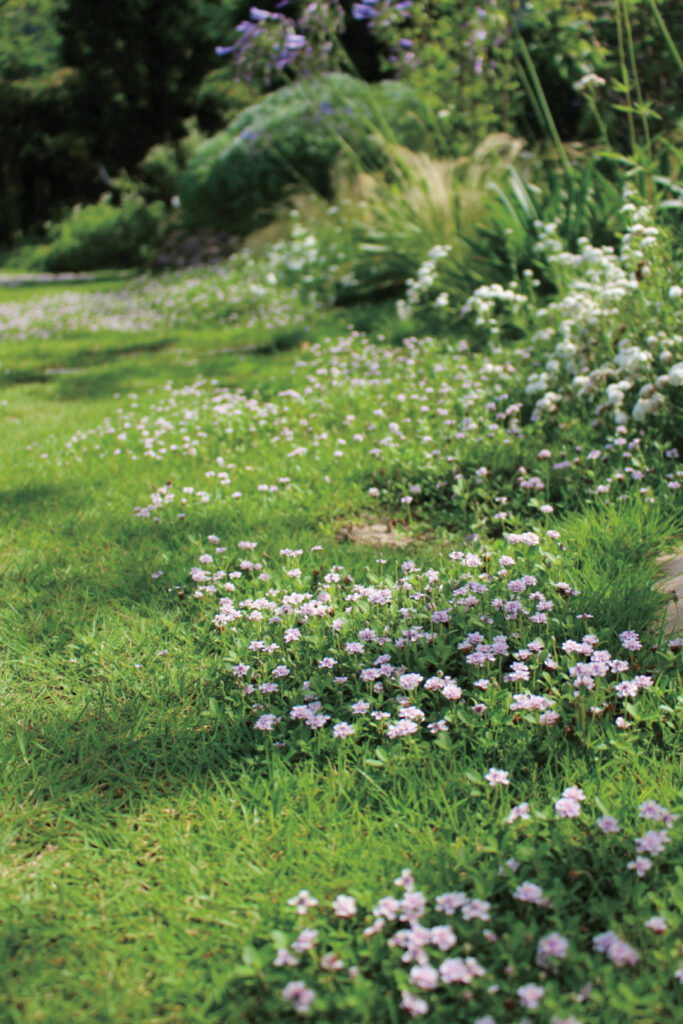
(529, 892)
(566, 807)
(299, 995)
(518, 813)
(284, 958)
(652, 811)
(641, 866)
(652, 842)
(443, 937)
(266, 722)
(342, 729)
(479, 909)
(530, 995)
(413, 1005)
(424, 976)
(616, 949)
(305, 940)
(303, 901)
(331, 962)
(456, 969)
(574, 793)
(497, 777)
(551, 947)
(630, 640)
(608, 824)
(449, 902)
(410, 680)
(344, 906)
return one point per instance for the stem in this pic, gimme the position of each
(602, 127)
(543, 103)
(626, 79)
(636, 78)
(667, 35)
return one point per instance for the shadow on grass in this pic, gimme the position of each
(67, 566)
(109, 761)
(31, 499)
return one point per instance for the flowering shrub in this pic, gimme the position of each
(610, 339)
(270, 43)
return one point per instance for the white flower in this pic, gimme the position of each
(589, 81)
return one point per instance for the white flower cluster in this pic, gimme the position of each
(612, 336)
(602, 348)
(418, 287)
(489, 299)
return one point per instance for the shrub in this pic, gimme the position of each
(104, 235)
(294, 136)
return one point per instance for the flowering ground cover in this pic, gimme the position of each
(256, 772)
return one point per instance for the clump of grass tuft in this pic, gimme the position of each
(612, 549)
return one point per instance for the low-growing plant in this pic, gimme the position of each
(107, 235)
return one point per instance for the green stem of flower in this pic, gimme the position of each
(667, 35)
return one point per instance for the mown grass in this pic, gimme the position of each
(150, 837)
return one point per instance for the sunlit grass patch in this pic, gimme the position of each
(213, 698)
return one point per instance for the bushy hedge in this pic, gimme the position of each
(105, 235)
(294, 136)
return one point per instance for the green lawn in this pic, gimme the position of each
(151, 835)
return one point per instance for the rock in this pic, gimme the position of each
(672, 584)
(194, 249)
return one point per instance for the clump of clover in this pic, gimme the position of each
(513, 935)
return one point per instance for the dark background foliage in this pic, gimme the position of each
(87, 87)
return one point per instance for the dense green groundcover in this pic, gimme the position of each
(256, 768)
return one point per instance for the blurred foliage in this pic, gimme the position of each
(106, 235)
(88, 90)
(29, 39)
(470, 63)
(293, 137)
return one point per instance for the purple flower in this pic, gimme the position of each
(258, 14)
(608, 824)
(551, 947)
(299, 995)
